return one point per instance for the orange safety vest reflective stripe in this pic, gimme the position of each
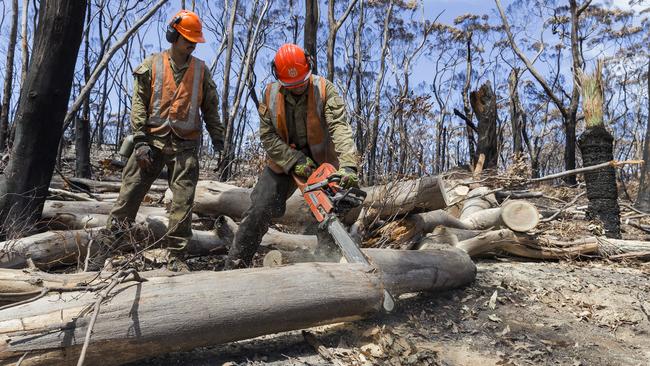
(175, 107)
(318, 137)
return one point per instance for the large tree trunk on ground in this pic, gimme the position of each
(68, 247)
(389, 200)
(519, 216)
(484, 104)
(53, 249)
(39, 118)
(130, 326)
(477, 200)
(508, 242)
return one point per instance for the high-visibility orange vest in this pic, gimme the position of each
(318, 137)
(175, 107)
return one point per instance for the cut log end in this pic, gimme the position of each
(520, 216)
(273, 259)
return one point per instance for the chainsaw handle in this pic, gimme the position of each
(299, 182)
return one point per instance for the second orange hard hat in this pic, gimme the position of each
(291, 66)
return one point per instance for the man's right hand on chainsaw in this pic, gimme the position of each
(304, 167)
(349, 178)
(143, 155)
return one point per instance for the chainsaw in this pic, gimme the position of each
(327, 201)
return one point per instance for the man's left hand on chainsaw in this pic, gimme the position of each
(304, 167)
(349, 178)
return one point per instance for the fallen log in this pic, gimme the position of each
(68, 247)
(52, 209)
(519, 216)
(130, 325)
(477, 200)
(62, 194)
(508, 242)
(420, 195)
(99, 186)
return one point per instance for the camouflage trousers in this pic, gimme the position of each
(183, 174)
(268, 202)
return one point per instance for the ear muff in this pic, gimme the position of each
(172, 34)
(310, 60)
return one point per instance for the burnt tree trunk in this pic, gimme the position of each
(484, 104)
(82, 126)
(9, 77)
(517, 116)
(643, 198)
(466, 103)
(596, 146)
(39, 118)
(311, 30)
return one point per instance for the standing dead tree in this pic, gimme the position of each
(484, 104)
(569, 113)
(643, 197)
(9, 77)
(376, 104)
(311, 30)
(41, 111)
(334, 26)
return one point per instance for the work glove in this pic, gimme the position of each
(304, 167)
(349, 178)
(143, 156)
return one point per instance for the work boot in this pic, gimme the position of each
(100, 249)
(176, 262)
(230, 264)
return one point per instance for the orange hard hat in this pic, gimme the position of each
(188, 25)
(291, 66)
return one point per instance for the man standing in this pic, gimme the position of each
(303, 123)
(170, 88)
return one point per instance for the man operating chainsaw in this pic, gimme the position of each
(303, 123)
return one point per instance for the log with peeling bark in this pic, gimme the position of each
(519, 216)
(516, 215)
(508, 242)
(477, 199)
(207, 308)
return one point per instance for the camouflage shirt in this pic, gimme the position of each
(296, 117)
(140, 108)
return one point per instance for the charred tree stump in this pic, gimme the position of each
(596, 146)
(484, 104)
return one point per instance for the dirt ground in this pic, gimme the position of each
(515, 313)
